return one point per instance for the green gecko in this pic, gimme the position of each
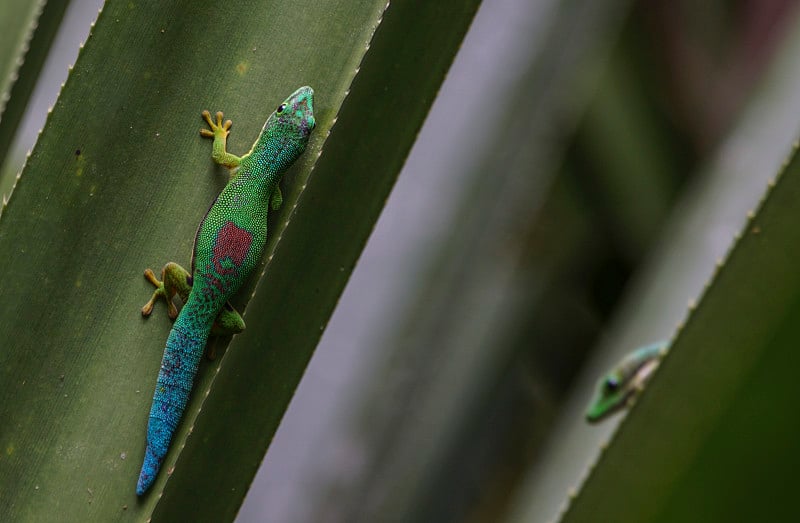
(227, 247)
(615, 390)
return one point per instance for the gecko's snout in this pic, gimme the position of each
(305, 99)
(306, 107)
(302, 104)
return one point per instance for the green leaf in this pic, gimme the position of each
(489, 283)
(118, 181)
(27, 29)
(699, 444)
(717, 395)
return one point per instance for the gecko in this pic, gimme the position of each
(615, 390)
(228, 245)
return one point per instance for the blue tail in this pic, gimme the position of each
(178, 369)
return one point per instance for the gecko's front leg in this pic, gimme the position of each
(219, 132)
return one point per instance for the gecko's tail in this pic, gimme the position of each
(178, 369)
(149, 471)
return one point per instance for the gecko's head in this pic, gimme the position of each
(287, 129)
(610, 396)
(294, 117)
(617, 387)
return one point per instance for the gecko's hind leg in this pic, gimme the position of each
(174, 280)
(227, 323)
(177, 280)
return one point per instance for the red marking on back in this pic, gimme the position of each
(232, 242)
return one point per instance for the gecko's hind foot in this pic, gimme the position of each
(160, 292)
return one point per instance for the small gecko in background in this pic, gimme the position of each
(227, 247)
(615, 390)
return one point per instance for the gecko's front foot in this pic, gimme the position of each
(219, 132)
(217, 128)
(160, 292)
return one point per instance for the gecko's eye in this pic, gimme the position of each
(612, 384)
(280, 109)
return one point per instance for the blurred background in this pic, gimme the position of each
(583, 169)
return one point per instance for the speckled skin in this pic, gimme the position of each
(228, 245)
